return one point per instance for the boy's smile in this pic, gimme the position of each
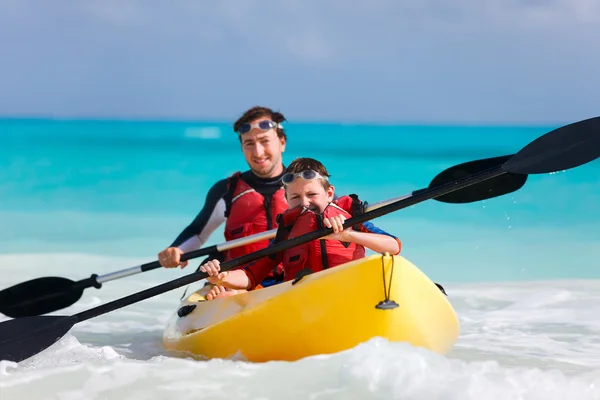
(309, 194)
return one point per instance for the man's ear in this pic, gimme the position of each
(283, 143)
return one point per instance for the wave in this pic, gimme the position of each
(375, 370)
(527, 340)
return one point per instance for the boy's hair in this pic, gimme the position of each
(261, 112)
(303, 163)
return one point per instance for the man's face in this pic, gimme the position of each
(263, 150)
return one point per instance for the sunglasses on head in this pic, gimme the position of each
(264, 125)
(307, 174)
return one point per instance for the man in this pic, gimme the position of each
(247, 202)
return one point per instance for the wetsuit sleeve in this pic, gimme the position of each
(208, 219)
(258, 270)
(369, 227)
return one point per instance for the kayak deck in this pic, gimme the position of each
(322, 313)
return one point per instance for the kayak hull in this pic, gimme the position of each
(322, 313)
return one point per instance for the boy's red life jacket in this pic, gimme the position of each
(318, 254)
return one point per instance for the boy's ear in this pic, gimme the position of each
(330, 191)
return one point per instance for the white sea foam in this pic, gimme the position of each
(519, 340)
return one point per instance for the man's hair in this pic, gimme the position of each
(303, 163)
(261, 112)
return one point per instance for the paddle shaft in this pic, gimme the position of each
(97, 281)
(187, 256)
(278, 247)
(571, 145)
(23, 337)
(45, 295)
(493, 188)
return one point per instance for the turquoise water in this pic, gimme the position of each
(122, 188)
(83, 197)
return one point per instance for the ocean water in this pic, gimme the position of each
(522, 271)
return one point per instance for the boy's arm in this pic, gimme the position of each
(231, 279)
(368, 236)
(248, 277)
(378, 242)
(254, 273)
(370, 228)
(257, 271)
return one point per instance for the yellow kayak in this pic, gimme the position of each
(322, 313)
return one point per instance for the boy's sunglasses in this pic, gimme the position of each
(264, 125)
(307, 174)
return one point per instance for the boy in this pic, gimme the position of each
(310, 198)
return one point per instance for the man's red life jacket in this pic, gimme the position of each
(249, 212)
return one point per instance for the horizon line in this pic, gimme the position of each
(301, 121)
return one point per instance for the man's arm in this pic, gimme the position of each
(208, 219)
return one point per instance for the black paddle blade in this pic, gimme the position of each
(564, 148)
(25, 337)
(495, 187)
(38, 296)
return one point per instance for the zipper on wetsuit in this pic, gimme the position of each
(268, 210)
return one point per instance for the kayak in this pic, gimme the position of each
(321, 313)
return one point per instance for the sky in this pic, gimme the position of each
(423, 61)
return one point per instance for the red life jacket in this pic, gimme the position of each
(249, 212)
(318, 254)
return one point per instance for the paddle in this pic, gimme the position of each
(560, 149)
(44, 295)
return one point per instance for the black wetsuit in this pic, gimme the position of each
(213, 213)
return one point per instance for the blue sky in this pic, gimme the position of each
(433, 61)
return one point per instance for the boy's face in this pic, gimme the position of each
(309, 194)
